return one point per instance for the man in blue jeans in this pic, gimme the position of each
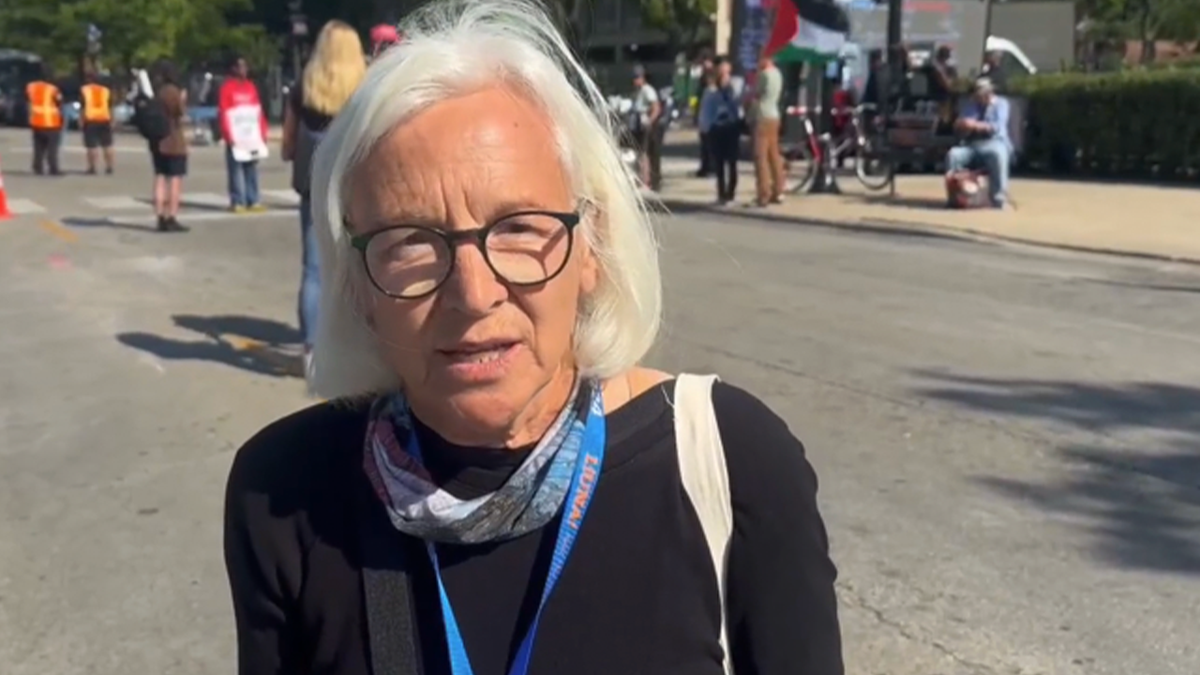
(983, 124)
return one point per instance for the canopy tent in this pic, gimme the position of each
(808, 31)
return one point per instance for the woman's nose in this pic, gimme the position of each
(473, 287)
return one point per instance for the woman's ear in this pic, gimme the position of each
(589, 264)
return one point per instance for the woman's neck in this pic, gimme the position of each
(545, 406)
(532, 422)
(525, 428)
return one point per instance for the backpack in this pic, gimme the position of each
(705, 480)
(150, 118)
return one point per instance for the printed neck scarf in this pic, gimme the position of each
(529, 499)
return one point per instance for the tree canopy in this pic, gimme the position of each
(134, 31)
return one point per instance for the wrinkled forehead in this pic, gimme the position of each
(474, 157)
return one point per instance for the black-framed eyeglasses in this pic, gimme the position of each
(409, 262)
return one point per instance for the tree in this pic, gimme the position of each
(572, 20)
(134, 31)
(683, 21)
(1145, 20)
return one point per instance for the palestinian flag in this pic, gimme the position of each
(808, 31)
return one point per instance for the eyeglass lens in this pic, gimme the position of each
(412, 261)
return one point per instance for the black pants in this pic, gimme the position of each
(723, 145)
(46, 143)
(705, 156)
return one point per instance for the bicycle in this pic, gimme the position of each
(871, 164)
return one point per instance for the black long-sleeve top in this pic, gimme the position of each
(638, 595)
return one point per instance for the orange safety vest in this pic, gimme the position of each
(97, 106)
(44, 112)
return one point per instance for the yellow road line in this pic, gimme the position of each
(59, 231)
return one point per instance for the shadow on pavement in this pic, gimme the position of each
(186, 203)
(679, 207)
(257, 345)
(918, 203)
(1141, 503)
(1170, 288)
(106, 223)
(270, 331)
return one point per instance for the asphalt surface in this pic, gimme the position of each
(1008, 439)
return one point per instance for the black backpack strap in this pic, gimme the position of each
(386, 596)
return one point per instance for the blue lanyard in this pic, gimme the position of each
(579, 497)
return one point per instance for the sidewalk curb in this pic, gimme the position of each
(894, 227)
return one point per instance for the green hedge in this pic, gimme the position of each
(1143, 123)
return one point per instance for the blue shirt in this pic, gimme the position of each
(718, 106)
(996, 115)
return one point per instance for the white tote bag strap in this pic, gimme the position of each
(704, 475)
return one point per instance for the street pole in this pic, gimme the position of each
(895, 75)
(299, 31)
(723, 26)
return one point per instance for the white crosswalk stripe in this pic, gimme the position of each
(274, 200)
(25, 207)
(282, 197)
(204, 200)
(148, 221)
(120, 203)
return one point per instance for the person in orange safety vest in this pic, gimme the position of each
(46, 121)
(97, 122)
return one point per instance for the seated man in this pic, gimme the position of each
(983, 125)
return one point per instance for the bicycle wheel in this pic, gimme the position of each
(801, 166)
(874, 169)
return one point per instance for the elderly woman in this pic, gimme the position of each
(496, 486)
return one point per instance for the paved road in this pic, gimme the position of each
(1008, 439)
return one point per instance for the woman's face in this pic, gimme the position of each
(463, 164)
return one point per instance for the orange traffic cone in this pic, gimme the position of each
(5, 214)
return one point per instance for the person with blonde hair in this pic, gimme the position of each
(496, 484)
(330, 77)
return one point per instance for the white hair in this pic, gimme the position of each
(454, 47)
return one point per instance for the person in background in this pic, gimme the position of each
(706, 78)
(97, 123)
(768, 158)
(704, 122)
(992, 71)
(942, 74)
(899, 76)
(843, 113)
(383, 37)
(45, 121)
(872, 91)
(721, 111)
(244, 130)
(647, 108)
(170, 154)
(983, 125)
(332, 74)
(942, 77)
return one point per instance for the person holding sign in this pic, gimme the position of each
(244, 130)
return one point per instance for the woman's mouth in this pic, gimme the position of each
(480, 362)
(479, 355)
